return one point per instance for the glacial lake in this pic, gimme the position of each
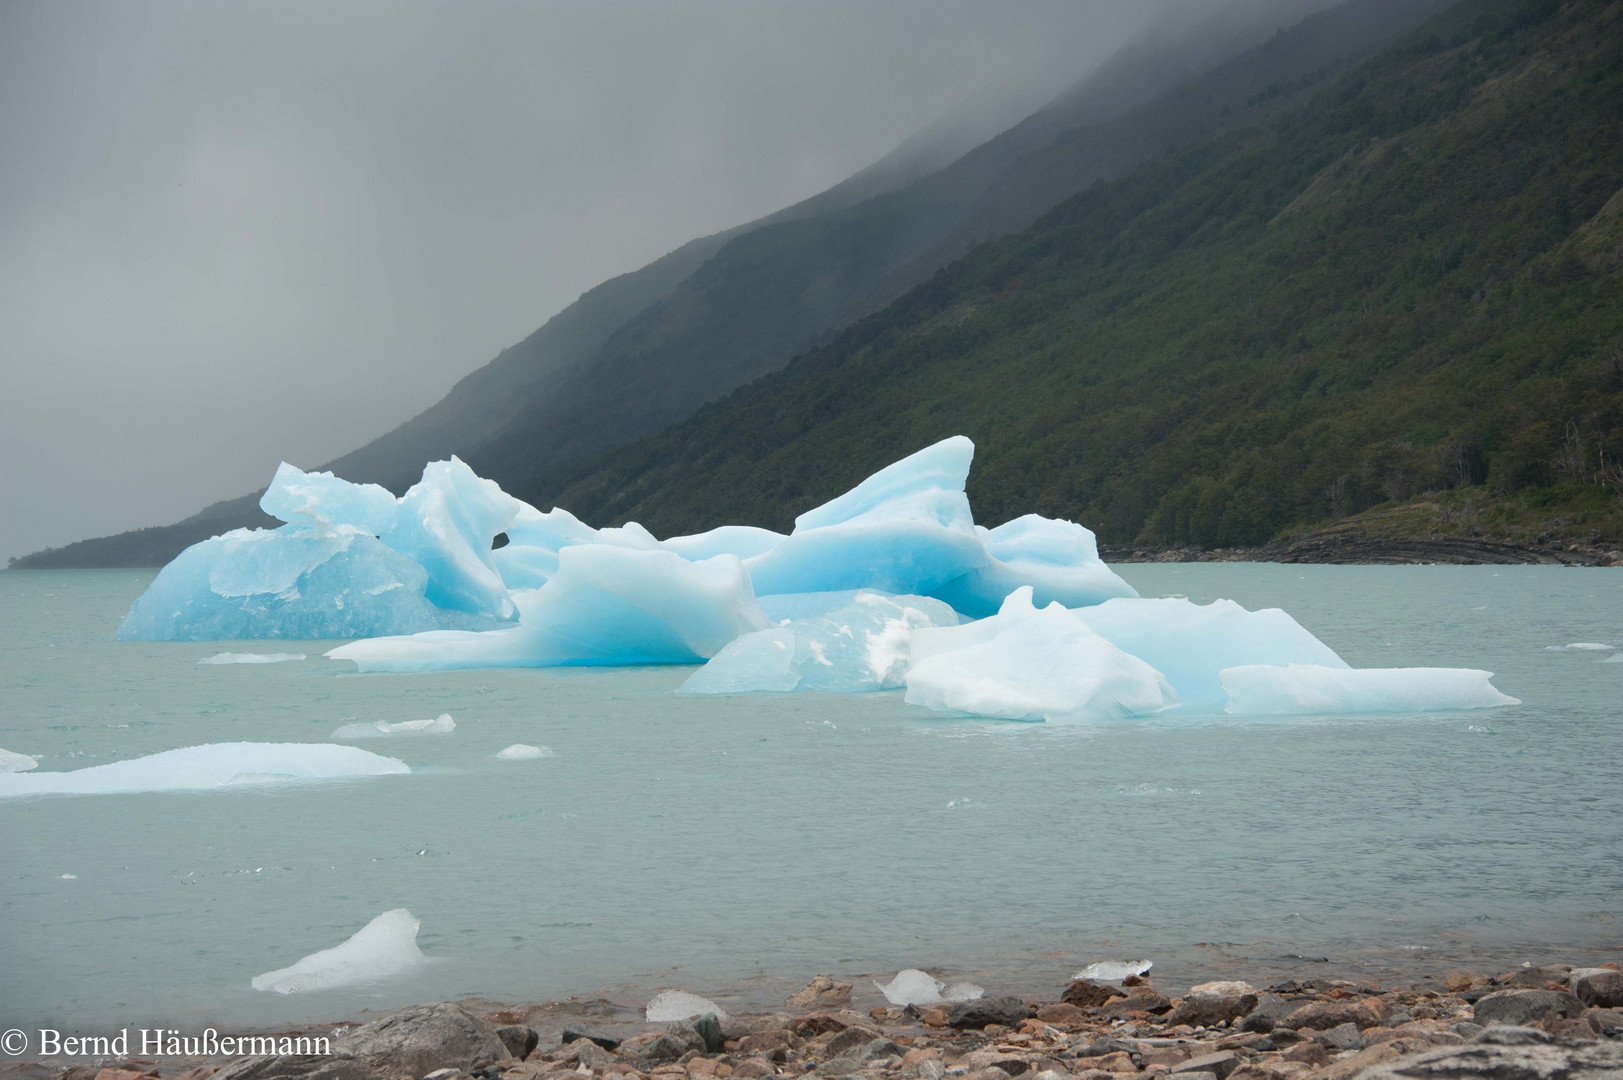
(737, 846)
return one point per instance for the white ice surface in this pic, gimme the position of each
(1028, 663)
(605, 605)
(523, 752)
(15, 763)
(1113, 970)
(1190, 643)
(1580, 646)
(378, 729)
(914, 987)
(745, 541)
(322, 500)
(446, 522)
(251, 658)
(864, 645)
(380, 950)
(210, 766)
(669, 1005)
(1058, 559)
(1297, 689)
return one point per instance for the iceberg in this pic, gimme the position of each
(1296, 689)
(606, 605)
(11, 762)
(534, 539)
(1191, 643)
(670, 1005)
(440, 725)
(446, 522)
(745, 541)
(382, 949)
(523, 752)
(904, 530)
(290, 582)
(863, 645)
(915, 987)
(207, 767)
(321, 501)
(1029, 663)
(1058, 559)
(251, 658)
(1113, 970)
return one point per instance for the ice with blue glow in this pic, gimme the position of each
(606, 605)
(207, 767)
(321, 500)
(863, 645)
(1031, 663)
(447, 522)
(1192, 643)
(1305, 689)
(1058, 559)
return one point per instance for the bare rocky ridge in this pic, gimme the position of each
(1548, 1023)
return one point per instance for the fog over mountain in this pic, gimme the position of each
(233, 233)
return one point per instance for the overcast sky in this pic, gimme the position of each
(234, 233)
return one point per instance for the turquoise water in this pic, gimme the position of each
(736, 847)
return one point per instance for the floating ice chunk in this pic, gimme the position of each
(915, 987)
(446, 522)
(14, 763)
(251, 658)
(1615, 658)
(670, 1005)
(286, 583)
(1580, 646)
(745, 541)
(69, 877)
(207, 767)
(1026, 663)
(906, 529)
(523, 752)
(864, 645)
(322, 500)
(380, 950)
(605, 605)
(1264, 690)
(440, 725)
(1059, 559)
(1190, 643)
(1113, 970)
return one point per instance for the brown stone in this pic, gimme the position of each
(1062, 1014)
(1118, 1062)
(1140, 1000)
(1323, 1015)
(938, 1017)
(919, 1055)
(823, 992)
(1165, 1055)
(818, 1023)
(1221, 1063)
(119, 1074)
(1456, 981)
(1308, 1053)
(763, 1042)
(1087, 994)
(1274, 1068)
(850, 1039)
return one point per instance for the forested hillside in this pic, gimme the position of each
(1410, 284)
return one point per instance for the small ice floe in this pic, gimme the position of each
(12, 762)
(1113, 970)
(1615, 658)
(207, 767)
(1297, 689)
(914, 987)
(69, 877)
(382, 949)
(1581, 646)
(440, 725)
(251, 658)
(524, 752)
(670, 1005)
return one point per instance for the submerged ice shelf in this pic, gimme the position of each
(890, 584)
(207, 767)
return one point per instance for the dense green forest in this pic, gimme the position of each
(1410, 285)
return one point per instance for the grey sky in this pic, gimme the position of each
(234, 233)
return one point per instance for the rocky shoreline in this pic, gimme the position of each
(1553, 1022)
(1353, 547)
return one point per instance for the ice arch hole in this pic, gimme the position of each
(499, 542)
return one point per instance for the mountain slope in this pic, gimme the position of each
(1413, 283)
(644, 350)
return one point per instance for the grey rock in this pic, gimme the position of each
(1465, 1029)
(850, 1039)
(709, 1028)
(1012, 1065)
(754, 1068)
(519, 1039)
(1108, 1044)
(1605, 1021)
(1533, 978)
(648, 1051)
(1209, 1010)
(580, 1052)
(298, 1067)
(880, 1049)
(423, 1038)
(1521, 1008)
(684, 1032)
(444, 1074)
(1219, 1065)
(1506, 1035)
(604, 1041)
(1087, 994)
(1341, 1037)
(1493, 1061)
(1198, 1075)
(1266, 1014)
(774, 1021)
(734, 1028)
(1601, 987)
(1004, 1009)
(930, 1070)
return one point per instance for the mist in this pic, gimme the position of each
(236, 233)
